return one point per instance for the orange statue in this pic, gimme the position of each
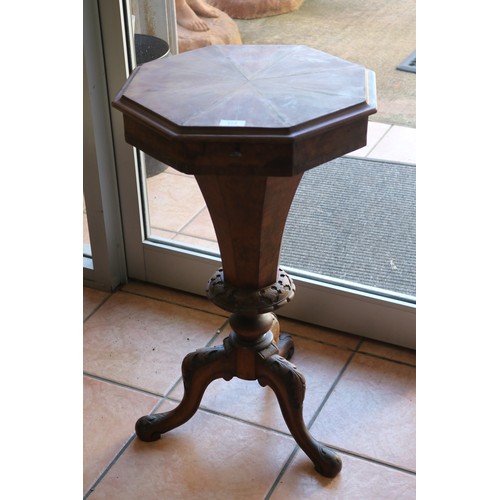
(187, 12)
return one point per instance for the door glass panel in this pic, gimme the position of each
(177, 210)
(174, 208)
(353, 220)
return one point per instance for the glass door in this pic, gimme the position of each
(169, 238)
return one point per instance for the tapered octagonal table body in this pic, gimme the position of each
(247, 121)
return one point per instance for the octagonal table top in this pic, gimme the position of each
(277, 87)
(247, 109)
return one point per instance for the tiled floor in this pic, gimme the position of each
(360, 400)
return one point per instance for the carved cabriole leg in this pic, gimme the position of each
(289, 386)
(198, 369)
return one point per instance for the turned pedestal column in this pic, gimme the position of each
(247, 122)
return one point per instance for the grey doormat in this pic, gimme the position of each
(354, 219)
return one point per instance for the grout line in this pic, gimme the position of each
(384, 358)
(240, 420)
(107, 469)
(191, 235)
(282, 472)
(378, 142)
(98, 307)
(129, 441)
(335, 383)
(123, 385)
(157, 228)
(146, 296)
(372, 460)
(179, 231)
(350, 349)
(323, 342)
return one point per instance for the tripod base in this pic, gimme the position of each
(264, 360)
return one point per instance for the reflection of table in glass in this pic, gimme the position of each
(247, 121)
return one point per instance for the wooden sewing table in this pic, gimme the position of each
(247, 121)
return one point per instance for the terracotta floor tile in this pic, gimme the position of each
(207, 457)
(109, 416)
(358, 480)
(174, 296)
(173, 200)
(141, 342)
(371, 412)
(92, 299)
(247, 400)
(201, 226)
